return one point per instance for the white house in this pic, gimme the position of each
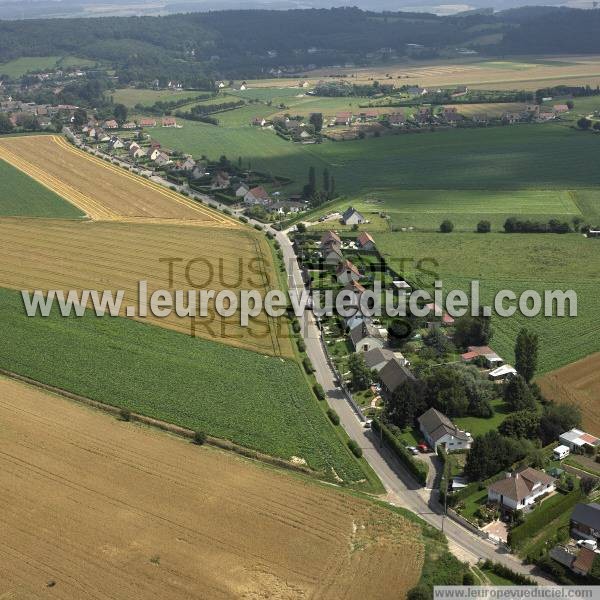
(438, 430)
(352, 217)
(162, 159)
(366, 336)
(520, 490)
(502, 373)
(115, 143)
(347, 272)
(578, 440)
(152, 153)
(242, 190)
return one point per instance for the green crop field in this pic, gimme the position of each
(257, 401)
(22, 196)
(516, 262)
(499, 158)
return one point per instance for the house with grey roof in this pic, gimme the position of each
(365, 336)
(393, 374)
(352, 217)
(377, 358)
(438, 430)
(585, 521)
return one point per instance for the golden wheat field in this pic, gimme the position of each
(64, 255)
(98, 508)
(578, 383)
(102, 190)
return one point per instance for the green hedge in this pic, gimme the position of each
(333, 416)
(506, 573)
(319, 391)
(418, 468)
(355, 448)
(540, 518)
(307, 365)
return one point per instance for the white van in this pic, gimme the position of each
(561, 452)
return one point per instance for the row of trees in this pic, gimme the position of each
(312, 192)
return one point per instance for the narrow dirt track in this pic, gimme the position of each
(101, 509)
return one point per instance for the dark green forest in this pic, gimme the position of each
(194, 48)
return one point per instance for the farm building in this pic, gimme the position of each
(438, 430)
(144, 122)
(502, 373)
(242, 190)
(491, 359)
(169, 122)
(578, 440)
(111, 124)
(520, 490)
(352, 217)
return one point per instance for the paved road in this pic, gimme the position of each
(402, 489)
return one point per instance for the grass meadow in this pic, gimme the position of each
(26, 64)
(21, 196)
(131, 96)
(254, 400)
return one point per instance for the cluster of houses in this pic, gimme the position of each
(17, 111)
(93, 127)
(535, 113)
(258, 196)
(580, 555)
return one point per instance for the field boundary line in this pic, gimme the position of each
(166, 192)
(93, 209)
(177, 430)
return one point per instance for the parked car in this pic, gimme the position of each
(412, 449)
(367, 423)
(590, 544)
(423, 447)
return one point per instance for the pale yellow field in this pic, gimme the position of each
(97, 508)
(103, 190)
(516, 73)
(45, 254)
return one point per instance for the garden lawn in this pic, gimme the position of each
(473, 503)
(24, 197)
(257, 401)
(477, 426)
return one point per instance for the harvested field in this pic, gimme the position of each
(127, 512)
(579, 383)
(102, 190)
(47, 255)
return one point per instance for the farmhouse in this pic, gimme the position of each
(365, 241)
(286, 206)
(438, 430)
(578, 440)
(355, 291)
(560, 108)
(352, 217)
(146, 122)
(416, 91)
(347, 272)
(136, 152)
(111, 124)
(129, 125)
(519, 490)
(585, 521)
(169, 122)
(257, 195)
(396, 119)
(392, 376)
(242, 190)
(331, 253)
(492, 360)
(343, 118)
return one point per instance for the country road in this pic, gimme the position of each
(402, 489)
